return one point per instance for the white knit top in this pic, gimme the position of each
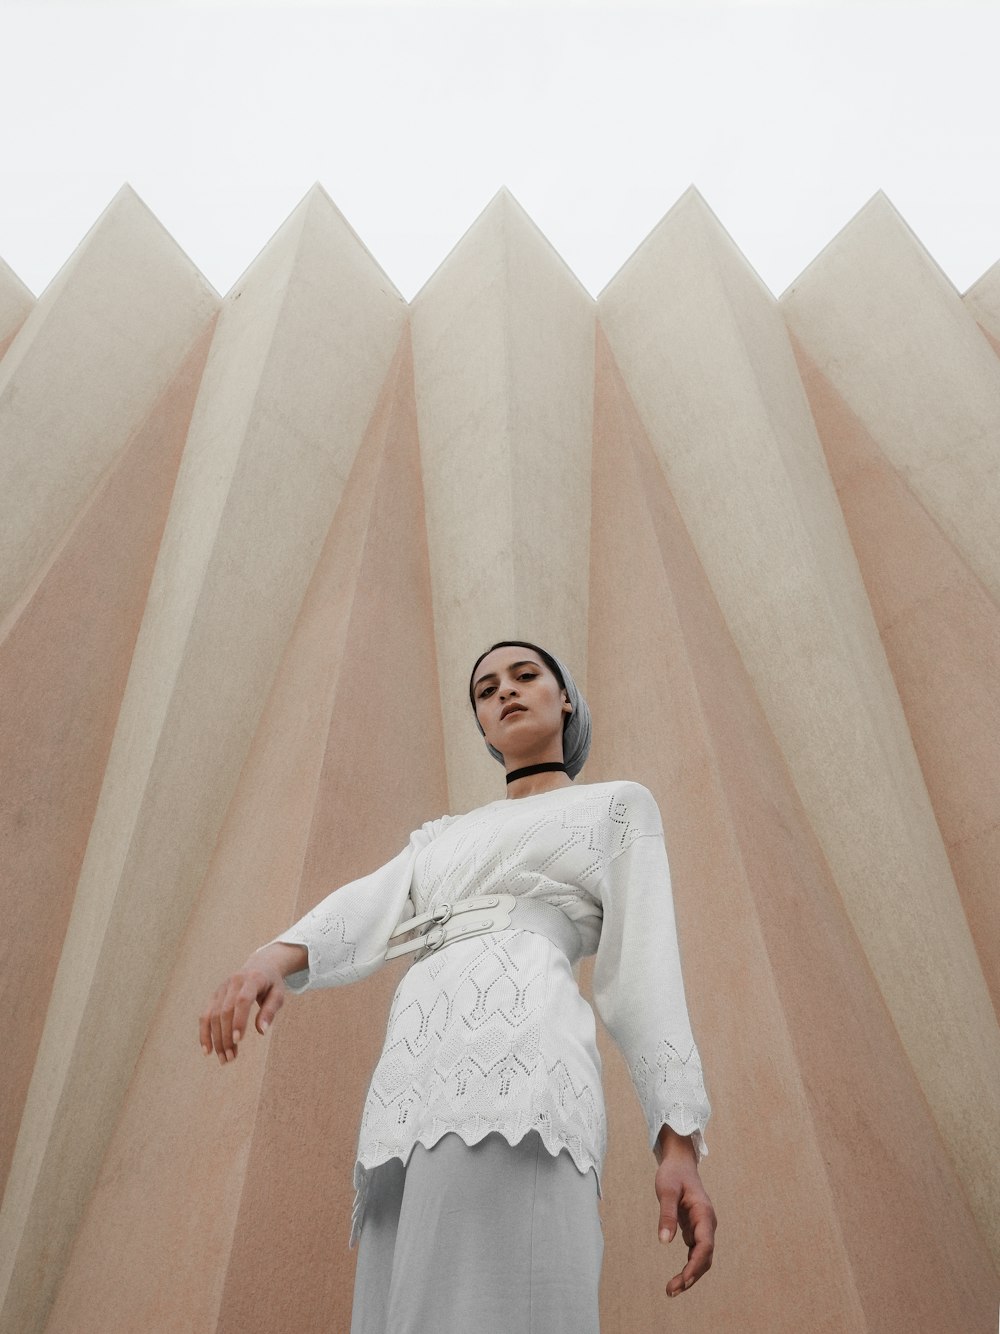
(491, 1033)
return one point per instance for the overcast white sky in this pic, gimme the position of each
(787, 117)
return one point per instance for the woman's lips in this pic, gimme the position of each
(517, 709)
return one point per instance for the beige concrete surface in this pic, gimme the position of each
(941, 633)
(64, 661)
(831, 1181)
(16, 302)
(123, 312)
(503, 346)
(927, 384)
(253, 561)
(707, 360)
(85, 480)
(329, 789)
(299, 356)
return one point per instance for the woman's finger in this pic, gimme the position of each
(702, 1249)
(245, 997)
(226, 1019)
(205, 1031)
(668, 1213)
(217, 1034)
(270, 1005)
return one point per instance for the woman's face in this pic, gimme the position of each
(520, 705)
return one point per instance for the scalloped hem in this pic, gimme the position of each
(362, 1170)
(696, 1132)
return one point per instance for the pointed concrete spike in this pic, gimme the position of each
(503, 209)
(16, 302)
(692, 202)
(982, 300)
(298, 359)
(91, 359)
(504, 362)
(317, 197)
(879, 318)
(877, 216)
(707, 359)
(745, 867)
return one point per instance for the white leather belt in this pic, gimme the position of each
(448, 922)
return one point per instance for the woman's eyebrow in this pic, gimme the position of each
(492, 676)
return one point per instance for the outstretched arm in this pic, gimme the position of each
(341, 940)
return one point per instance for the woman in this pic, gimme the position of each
(469, 1213)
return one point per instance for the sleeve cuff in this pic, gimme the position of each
(684, 1124)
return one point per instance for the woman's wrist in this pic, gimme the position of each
(671, 1144)
(282, 956)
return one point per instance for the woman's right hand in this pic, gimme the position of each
(262, 979)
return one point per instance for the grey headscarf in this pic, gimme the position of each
(576, 725)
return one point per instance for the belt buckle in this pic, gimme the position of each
(434, 938)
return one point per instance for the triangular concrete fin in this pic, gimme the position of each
(63, 667)
(820, 1023)
(125, 225)
(315, 825)
(124, 312)
(920, 587)
(318, 208)
(876, 225)
(500, 229)
(691, 212)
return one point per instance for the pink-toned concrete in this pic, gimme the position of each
(706, 354)
(111, 329)
(941, 632)
(252, 1170)
(823, 1144)
(16, 303)
(282, 409)
(64, 661)
(926, 384)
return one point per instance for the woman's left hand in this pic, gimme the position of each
(684, 1201)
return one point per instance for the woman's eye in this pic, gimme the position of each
(483, 693)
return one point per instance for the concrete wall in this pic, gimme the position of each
(251, 547)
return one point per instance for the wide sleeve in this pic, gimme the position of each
(638, 987)
(347, 933)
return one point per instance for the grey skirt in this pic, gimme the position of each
(491, 1237)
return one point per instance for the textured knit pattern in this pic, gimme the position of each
(492, 1033)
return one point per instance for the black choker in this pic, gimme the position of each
(536, 769)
